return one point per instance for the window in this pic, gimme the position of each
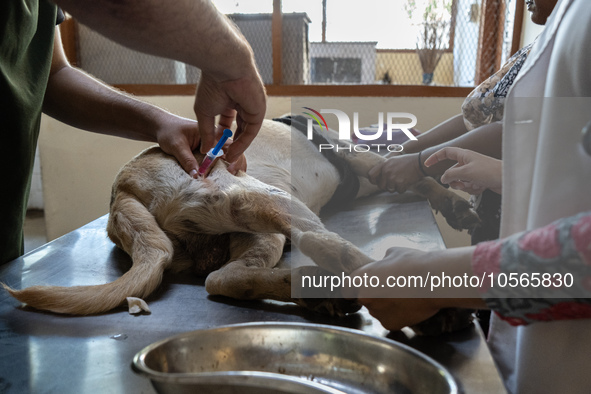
(336, 47)
(336, 70)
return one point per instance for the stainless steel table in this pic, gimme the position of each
(49, 353)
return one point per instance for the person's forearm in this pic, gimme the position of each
(79, 100)
(191, 31)
(486, 140)
(453, 263)
(445, 131)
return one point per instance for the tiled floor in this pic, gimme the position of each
(34, 230)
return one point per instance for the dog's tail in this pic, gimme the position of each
(134, 229)
(139, 281)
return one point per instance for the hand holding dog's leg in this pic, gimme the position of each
(429, 308)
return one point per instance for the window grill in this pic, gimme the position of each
(437, 43)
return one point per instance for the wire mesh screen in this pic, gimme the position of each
(406, 42)
(410, 42)
(257, 29)
(116, 64)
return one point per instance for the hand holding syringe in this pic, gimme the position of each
(213, 154)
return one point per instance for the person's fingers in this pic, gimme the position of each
(457, 185)
(209, 102)
(383, 182)
(352, 292)
(475, 191)
(243, 99)
(463, 186)
(226, 119)
(206, 131)
(179, 137)
(393, 250)
(396, 315)
(388, 318)
(455, 173)
(245, 133)
(239, 164)
(382, 176)
(250, 101)
(449, 153)
(250, 98)
(392, 154)
(186, 159)
(349, 292)
(467, 187)
(474, 188)
(374, 173)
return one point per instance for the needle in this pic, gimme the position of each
(213, 153)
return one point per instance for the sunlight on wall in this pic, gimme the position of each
(398, 64)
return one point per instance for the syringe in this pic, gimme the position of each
(213, 154)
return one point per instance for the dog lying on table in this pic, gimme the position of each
(232, 229)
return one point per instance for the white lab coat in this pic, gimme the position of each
(547, 176)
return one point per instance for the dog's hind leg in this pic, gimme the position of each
(242, 204)
(284, 214)
(250, 272)
(134, 230)
(251, 275)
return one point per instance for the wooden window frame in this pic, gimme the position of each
(69, 31)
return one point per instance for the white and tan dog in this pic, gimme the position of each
(231, 229)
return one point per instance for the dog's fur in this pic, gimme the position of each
(231, 229)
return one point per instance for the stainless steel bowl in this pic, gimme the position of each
(288, 358)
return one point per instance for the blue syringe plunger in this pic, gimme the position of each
(222, 141)
(213, 153)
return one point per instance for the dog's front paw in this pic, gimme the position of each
(457, 211)
(459, 214)
(466, 216)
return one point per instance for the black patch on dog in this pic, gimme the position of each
(349, 185)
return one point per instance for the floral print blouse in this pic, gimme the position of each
(485, 104)
(560, 256)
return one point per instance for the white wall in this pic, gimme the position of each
(78, 168)
(36, 192)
